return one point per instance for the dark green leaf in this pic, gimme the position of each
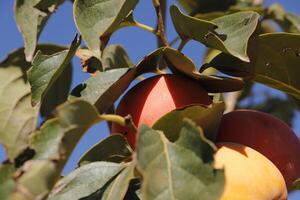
(31, 20)
(171, 171)
(114, 148)
(274, 62)
(179, 62)
(99, 19)
(207, 117)
(47, 69)
(57, 93)
(85, 180)
(229, 34)
(192, 138)
(115, 56)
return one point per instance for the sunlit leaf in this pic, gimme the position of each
(229, 34)
(35, 181)
(85, 180)
(207, 117)
(171, 171)
(179, 62)
(31, 16)
(204, 6)
(113, 57)
(294, 20)
(17, 117)
(105, 88)
(118, 187)
(58, 137)
(275, 62)
(46, 69)
(99, 19)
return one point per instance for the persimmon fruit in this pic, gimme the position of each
(153, 97)
(248, 174)
(267, 135)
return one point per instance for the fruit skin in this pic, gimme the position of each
(154, 97)
(248, 174)
(267, 135)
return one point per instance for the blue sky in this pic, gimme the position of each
(138, 43)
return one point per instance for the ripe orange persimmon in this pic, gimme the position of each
(248, 174)
(153, 97)
(267, 135)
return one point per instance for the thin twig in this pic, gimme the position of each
(160, 23)
(182, 44)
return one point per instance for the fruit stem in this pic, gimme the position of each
(113, 118)
(145, 27)
(123, 121)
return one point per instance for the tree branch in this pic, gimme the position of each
(160, 22)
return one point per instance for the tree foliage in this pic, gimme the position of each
(174, 158)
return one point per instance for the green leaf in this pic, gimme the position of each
(296, 185)
(46, 141)
(17, 117)
(57, 93)
(134, 190)
(114, 148)
(99, 19)
(229, 34)
(115, 56)
(192, 138)
(105, 88)
(214, 84)
(151, 59)
(57, 137)
(46, 70)
(171, 171)
(31, 21)
(283, 109)
(207, 117)
(36, 180)
(7, 183)
(85, 180)
(48, 5)
(204, 6)
(294, 20)
(118, 187)
(274, 62)
(237, 28)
